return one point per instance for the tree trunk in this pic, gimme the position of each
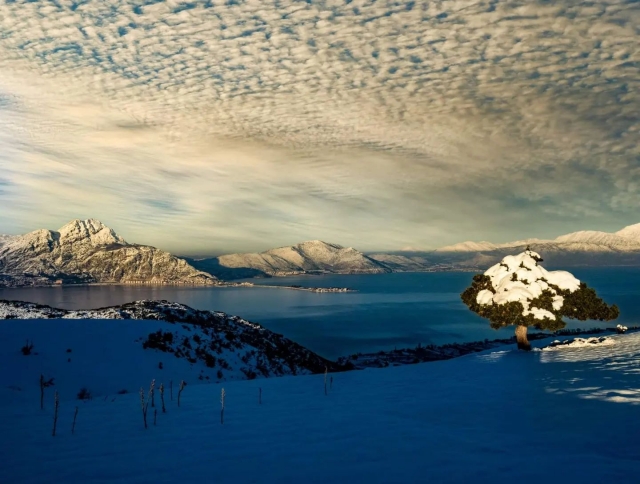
(521, 338)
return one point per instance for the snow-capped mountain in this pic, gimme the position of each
(586, 247)
(468, 246)
(307, 257)
(627, 239)
(89, 251)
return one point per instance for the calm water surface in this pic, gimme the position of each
(389, 310)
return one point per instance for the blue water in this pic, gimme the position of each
(389, 310)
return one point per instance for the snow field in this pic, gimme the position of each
(497, 416)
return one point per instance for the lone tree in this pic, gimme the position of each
(520, 292)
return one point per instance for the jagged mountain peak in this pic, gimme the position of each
(90, 230)
(321, 243)
(89, 251)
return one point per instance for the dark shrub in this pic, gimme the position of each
(27, 348)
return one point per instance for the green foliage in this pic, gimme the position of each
(581, 304)
(584, 304)
(480, 282)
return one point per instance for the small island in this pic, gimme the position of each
(297, 287)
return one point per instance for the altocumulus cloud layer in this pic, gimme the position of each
(228, 125)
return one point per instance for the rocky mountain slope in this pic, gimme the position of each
(89, 251)
(405, 262)
(5, 239)
(212, 344)
(313, 257)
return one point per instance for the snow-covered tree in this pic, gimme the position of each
(520, 292)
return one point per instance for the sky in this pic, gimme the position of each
(227, 125)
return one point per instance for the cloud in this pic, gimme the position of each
(230, 125)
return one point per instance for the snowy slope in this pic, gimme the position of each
(89, 251)
(630, 232)
(498, 417)
(402, 263)
(595, 237)
(307, 257)
(108, 351)
(468, 246)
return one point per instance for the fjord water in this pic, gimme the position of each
(387, 311)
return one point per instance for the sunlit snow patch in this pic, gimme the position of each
(579, 343)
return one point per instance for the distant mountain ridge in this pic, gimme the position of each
(311, 257)
(582, 248)
(89, 251)
(627, 239)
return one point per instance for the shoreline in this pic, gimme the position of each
(246, 282)
(195, 286)
(430, 353)
(45, 281)
(354, 361)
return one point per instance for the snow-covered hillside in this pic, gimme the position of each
(502, 416)
(307, 257)
(108, 350)
(89, 251)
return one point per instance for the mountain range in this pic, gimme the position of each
(87, 251)
(583, 248)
